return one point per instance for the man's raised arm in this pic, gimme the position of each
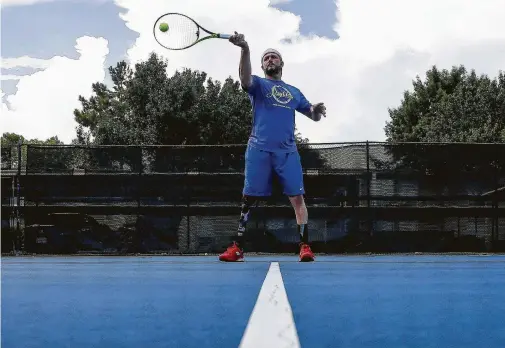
(245, 70)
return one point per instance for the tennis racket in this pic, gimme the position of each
(175, 31)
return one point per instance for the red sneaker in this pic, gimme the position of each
(306, 255)
(232, 254)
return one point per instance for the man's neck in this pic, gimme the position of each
(276, 77)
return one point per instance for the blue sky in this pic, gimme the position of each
(53, 50)
(318, 17)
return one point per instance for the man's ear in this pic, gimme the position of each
(282, 64)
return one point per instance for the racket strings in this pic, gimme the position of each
(182, 32)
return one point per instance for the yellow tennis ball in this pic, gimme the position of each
(163, 27)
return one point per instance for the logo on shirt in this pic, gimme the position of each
(280, 94)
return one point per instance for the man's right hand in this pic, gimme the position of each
(244, 70)
(238, 40)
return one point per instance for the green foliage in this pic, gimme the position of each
(11, 139)
(106, 117)
(450, 106)
(145, 106)
(9, 142)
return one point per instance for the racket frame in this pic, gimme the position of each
(212, 35)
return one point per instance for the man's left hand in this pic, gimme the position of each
(319, 110)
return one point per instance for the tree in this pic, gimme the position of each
(147, 107)
(12, 139)
(105, 118)
(34, 158)
(451, 106)
(9, 152)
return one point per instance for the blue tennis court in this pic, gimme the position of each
(337, 301)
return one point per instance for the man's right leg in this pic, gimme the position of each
(245, 209)
(235, 252)
(257, 183)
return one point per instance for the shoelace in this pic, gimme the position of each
(232, 247)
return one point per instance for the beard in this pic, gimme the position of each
(273, 70)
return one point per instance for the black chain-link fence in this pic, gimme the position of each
(361, 197)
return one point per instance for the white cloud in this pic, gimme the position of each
(382, 46)
(45, 100)
(25, 62)
(9, 77)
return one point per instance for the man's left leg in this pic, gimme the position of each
(298, 204)
(289, 169)
(302, 217)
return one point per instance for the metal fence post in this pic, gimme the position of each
(495, 223)
(18, 196)
(141, 170)
(368, 179)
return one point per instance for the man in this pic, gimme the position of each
(271, 147)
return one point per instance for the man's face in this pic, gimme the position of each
(272, 64)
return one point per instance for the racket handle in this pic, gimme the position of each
(224, 36)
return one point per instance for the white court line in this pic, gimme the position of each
(271, 323)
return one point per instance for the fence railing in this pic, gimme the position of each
(365, 196)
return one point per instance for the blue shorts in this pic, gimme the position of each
(261, 165)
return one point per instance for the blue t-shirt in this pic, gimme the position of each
(274, 104)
